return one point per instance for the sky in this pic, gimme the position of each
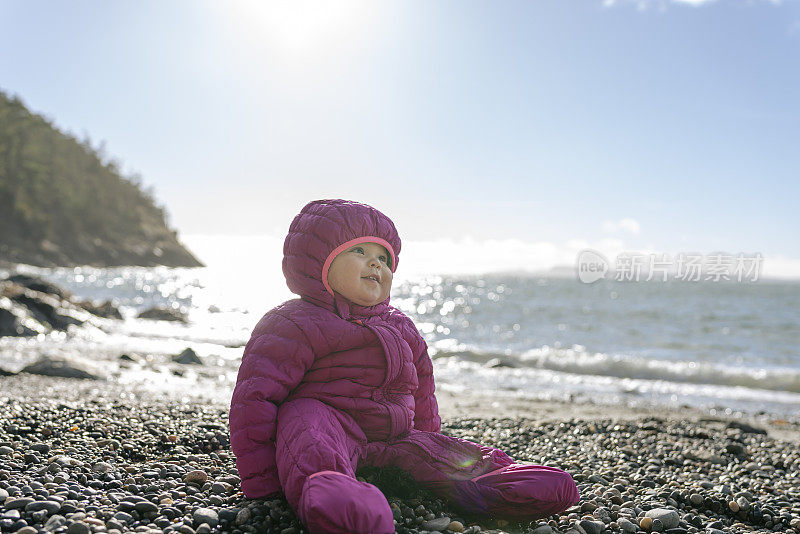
(518, 130)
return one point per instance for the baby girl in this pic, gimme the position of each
(339, 379)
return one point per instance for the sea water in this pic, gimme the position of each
(727, 346)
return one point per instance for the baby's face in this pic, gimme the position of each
(362, 274)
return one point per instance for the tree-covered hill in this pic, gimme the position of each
(61, 204)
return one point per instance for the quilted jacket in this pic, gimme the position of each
(369, 362)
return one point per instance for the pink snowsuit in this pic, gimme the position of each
(326, 386)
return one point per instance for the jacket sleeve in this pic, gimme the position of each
(274, 361)
(426, 409)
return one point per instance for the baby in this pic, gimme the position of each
(339, 379)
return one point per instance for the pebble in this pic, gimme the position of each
(205, 515)
(154, 465)
(591, 527)
(78, 527)
(626, 525)
(196, 477)
(437, 525)
(668, 518)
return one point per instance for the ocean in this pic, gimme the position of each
(724, 346)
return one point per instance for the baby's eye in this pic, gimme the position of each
(359, 250)
(382, 258)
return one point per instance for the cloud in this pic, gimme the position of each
(627, 225)
(643, 5)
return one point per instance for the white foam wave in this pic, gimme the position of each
(577, 361)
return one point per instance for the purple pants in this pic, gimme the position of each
(319, 449)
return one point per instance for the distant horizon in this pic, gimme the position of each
(451, 257)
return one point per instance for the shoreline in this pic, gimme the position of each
(451, 405)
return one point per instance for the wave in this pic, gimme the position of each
(578, 361)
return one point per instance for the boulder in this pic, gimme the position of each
(47, 310)
(105, 309)
(11, 324)
(163, 314)
(47, 366)
(188, 357)
(39, 284)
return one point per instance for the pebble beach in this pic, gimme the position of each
(82, 456)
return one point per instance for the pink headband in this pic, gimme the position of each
(348, 244)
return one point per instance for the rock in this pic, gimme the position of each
(221, 488)
(188, 357)
(102, 467)
(13, 324)
(455, 526)
(497, 362)
(195, 477)
(55, 522)
(17, 502)
(437, 525)
(79, 527)
(123, 517)
(669, 518)
(588, 507)
(58, 367)
(743, 503)
(626, 525)
(163, 314)
(591, 527)
(105, 309)
(205, 515)
(144, 507)
(736, 448)
(50, 506)
(49, 310)
(242, 517)
(41, 285)
(746, 428)
(542, 529)
(646, 522)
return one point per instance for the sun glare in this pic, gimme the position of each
(303, 28)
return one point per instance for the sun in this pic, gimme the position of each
(302, 28)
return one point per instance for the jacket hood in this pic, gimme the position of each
(323, 229)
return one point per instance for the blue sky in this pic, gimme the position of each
(548, 122)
